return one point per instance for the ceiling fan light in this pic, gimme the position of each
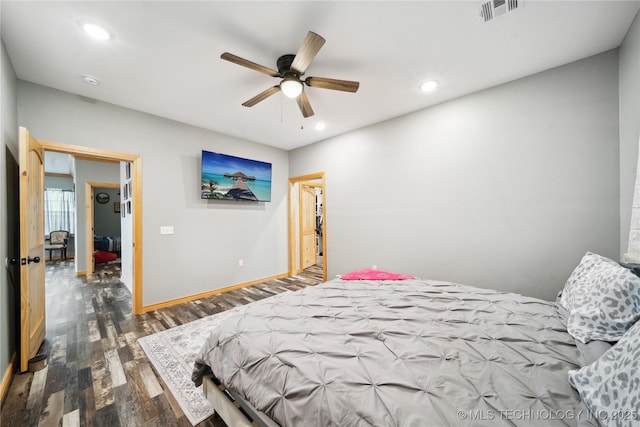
(291, 87)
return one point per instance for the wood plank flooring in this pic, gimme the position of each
(96, 373)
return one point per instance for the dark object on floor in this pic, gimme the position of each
(104, 256)
(37, 362)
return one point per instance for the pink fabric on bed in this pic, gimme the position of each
(369, 274)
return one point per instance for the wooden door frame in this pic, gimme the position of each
(89, 212)
(95, 154)
(318, 176)
(314, 184)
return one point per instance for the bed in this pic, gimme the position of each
(410, 353)
(107, 243)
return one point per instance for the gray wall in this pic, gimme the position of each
(210, 237)
(506, 188)
(9, 132)
(629, 94)
(106, 220)
(63, 183)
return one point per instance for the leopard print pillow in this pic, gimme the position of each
(603, 299)
(610, 386)
(576, 290)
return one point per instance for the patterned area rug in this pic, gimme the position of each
(173, 352)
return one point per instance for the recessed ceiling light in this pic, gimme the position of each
(320, 126)
(92, 80)
(96, 31)
(429, 86)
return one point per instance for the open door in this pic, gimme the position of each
(308, 252)
(314, 180)
(32, 302)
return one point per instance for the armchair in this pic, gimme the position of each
(58, 242)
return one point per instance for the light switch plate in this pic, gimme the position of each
(166, 229)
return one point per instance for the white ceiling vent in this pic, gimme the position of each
(493, 8)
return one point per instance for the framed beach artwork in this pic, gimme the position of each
(227, 177)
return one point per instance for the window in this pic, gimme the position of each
(59, 210)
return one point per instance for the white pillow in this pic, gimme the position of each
(602, 298)
(610, 386)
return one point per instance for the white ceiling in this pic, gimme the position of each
(164, 58)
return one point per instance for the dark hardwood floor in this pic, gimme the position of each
(90, 327)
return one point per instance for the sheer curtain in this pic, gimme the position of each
(59, 210)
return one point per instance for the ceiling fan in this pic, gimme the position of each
(291, 70)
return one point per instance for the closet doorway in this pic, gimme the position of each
(310, 224)
(307, 225)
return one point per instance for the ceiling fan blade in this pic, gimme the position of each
(334, 84)
(246, 63)
(305, 106)
(309, 49)
(262, 96)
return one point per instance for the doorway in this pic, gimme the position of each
(31, 203)
(134, 183)
(307, 224)
(13, 251)
(310, 223)
(98, 221)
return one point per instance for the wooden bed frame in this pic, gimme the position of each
(234, 410)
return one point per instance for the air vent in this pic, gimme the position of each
(494, 8)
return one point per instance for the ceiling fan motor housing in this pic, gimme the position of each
(284, 65)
